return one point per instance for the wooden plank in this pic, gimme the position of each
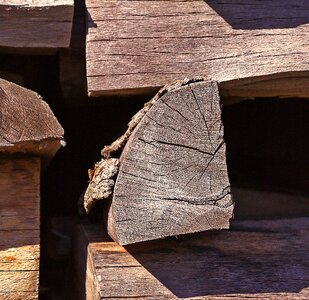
(255, 259)
(35, 26)
(19, 227)
(250, 47)
(18, 296)
(172, 176)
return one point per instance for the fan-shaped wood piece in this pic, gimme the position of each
(173, 176)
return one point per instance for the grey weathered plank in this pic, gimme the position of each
(255, 259)
(134, 46)
(35, 26)
(172, 176)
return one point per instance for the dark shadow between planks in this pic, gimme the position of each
(267, 145)
(269, 14)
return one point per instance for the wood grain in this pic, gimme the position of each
(27, 123)
(173, 177)
(19, 227)
(257, 259)
(250, 47)
(40, 26)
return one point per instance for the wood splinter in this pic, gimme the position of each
(172, 176)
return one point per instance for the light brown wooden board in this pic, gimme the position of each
(255, 260)
(19, 296)
(134, 46)
(19, 227)
(173, 176)
(35, 26)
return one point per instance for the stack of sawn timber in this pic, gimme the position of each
(172, 175)
(29, 137)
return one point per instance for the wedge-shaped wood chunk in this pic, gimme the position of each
(173, 177)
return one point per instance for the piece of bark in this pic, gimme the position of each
(172, 176)
(250, 47)
(40, 26)
(265, 259)
(101, 182)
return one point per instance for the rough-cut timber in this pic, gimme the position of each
(27, 124)
(19, 227)
(33, 26)
(134, 46)
(172, 174)
(254, 260)
(29, 136)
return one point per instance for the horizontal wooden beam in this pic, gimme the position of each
(138, 46)
(255, 259)
(35, 26)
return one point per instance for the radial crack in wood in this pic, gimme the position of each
(172, 177)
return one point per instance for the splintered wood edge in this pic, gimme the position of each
(101, 178)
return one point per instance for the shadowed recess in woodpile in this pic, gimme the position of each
(267, 156)
(172, 172)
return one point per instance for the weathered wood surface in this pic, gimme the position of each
(255, 259)
(35, 26)
(172, 174)
(27, 124)
(134, 46)
(19, 227)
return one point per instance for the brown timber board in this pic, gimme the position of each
(19, 227)
(255, 259)
(35, 26)
(134, 46)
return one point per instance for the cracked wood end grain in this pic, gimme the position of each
(172, 176)
(27, 124)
